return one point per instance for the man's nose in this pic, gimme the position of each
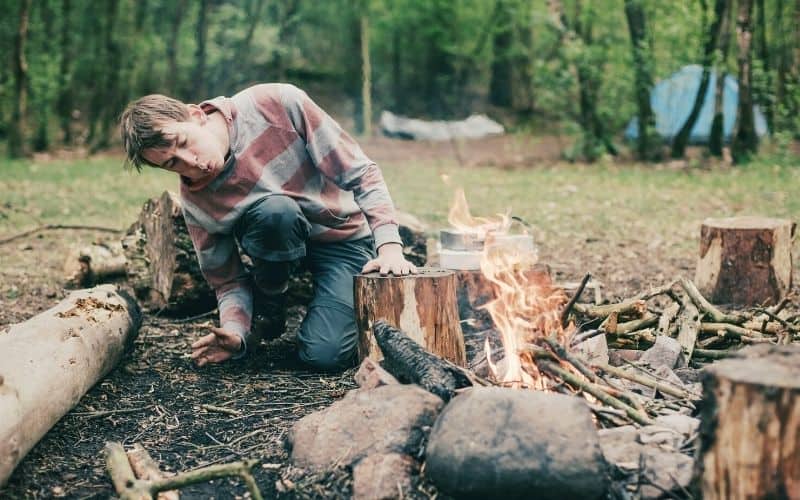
(188, 157)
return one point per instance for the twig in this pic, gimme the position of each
(734, 330)
(597, 392)
(220, 409)
(637, 306)
(714, 354)
(574, 299)
(584, 336)
(701, 302)
(562, 353)
(57, 226)
(105, 413)
(777, 318)
(646, 381)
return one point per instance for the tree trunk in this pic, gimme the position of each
(64, 104)
(745, 260)
(766, 90)
(199, 76)
(750, 426)
(716, 137)
(17, 145)
(51, 360)
(501, 83)
(422, 305)
(172, 45)
(646, 145)
(745, 140)
(162, 266)
(366, 77)
(682, 137)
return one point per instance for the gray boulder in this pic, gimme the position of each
(503, 443)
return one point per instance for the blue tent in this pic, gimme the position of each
(672, 101)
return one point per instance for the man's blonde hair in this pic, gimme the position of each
(141, 123)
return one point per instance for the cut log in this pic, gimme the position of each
(94, 264)
(51, 360)
(162, 266)
(422, 305)
(745, 260)
(750, 430)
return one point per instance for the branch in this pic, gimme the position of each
(58, 226)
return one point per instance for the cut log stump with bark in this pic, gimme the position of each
(422, 305)
(162, 266)
(51, 360)
(750, 430)
(745, 260)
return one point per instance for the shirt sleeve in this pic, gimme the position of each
(341, 159)
(223, 269)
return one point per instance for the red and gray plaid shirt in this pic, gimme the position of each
(281, 142)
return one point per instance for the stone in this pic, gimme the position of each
(387, 419)
(666, 473)
(371, 375)
(491, 442)
(619, 357)
(383, 476)
(593, 351)
(686, 425)
(665, 352)
(621, 446)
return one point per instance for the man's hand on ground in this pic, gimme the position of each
(390, 260)
(216, 347)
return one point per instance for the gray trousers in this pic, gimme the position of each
(273, 232)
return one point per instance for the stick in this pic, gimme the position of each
(636, 306)
(574, 299)
(597, 392)
(220, 409)
(637, 324)
(646, 381)
(563, 354)
(146, 468)
(734, 330)
(715, 314)
(714, 354)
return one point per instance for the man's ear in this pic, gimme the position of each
(196, 114)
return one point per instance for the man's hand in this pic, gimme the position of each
(390, 260)
(216, 347)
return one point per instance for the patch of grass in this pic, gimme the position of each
(566, 203)
(94, 191)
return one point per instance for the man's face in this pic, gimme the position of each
(194, 151)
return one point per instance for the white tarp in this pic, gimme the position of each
(474, 127)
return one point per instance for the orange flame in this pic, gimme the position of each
(526, 306)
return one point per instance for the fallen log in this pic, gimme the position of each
(745, 260)
(749, 446)
(51, 360)
(410, 362)
(422, 305)
(94, 264)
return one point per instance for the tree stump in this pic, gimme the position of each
(421, 305)
(93, 264)
(51, 360)
(745, 260)
(162, 266)
(750, 431)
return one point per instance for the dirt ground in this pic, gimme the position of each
(156, 396)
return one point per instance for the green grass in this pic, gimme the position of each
(567, 203)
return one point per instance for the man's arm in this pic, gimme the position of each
(223, 269)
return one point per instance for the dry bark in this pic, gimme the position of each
(51, 360)
(423, 306)
(745, 260)
(750, 431)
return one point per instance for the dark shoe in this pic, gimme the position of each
(269, 315)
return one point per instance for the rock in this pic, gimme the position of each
(383, 476)
(660, 435)
(371, 375)
(593, 351)
(688, 375)
(665, 352)
(501, 443)
(666, 473)
(390, 418)
(684, 424)
(621, 446)
(618, 357)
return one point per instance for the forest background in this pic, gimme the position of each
(575, 68)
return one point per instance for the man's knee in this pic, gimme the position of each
(328, 336)
(278, 215)
(274, 229)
